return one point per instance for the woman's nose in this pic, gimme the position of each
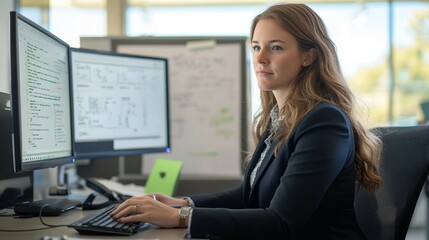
(262, 57)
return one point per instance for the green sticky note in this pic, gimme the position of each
(164, 176)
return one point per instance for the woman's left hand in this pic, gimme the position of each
(147, 209)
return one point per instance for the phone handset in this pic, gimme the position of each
(112, 196)
(102, 189)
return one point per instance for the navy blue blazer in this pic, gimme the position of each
(306, 191)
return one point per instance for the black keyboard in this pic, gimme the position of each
(102, 223)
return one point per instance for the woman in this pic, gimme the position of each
(310, 149)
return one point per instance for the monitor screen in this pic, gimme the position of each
(120, 104)
(41, 96)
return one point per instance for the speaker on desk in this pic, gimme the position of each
(14, 187)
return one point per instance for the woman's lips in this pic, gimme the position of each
(263, 73)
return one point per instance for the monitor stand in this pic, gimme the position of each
(46, 207)
(50, 206)
(62, 183)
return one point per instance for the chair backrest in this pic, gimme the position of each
(164, 176)
(386, 213)
(425, 109)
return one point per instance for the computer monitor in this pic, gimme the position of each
(120, 104)
(41, 106)
(41, 96)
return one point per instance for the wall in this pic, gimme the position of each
(5, 7)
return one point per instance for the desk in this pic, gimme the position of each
(68, 218)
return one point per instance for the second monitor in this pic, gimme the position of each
(120, 104)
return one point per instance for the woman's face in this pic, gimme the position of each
(276, 57)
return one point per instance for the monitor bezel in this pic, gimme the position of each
(19, 164)
(123, 152)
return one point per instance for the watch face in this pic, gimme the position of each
(184, 211)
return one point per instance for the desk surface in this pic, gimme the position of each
(11, 223)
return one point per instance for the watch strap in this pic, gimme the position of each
(183, 216)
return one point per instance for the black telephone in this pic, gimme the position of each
(112, 196)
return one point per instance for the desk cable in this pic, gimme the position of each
(33, 229)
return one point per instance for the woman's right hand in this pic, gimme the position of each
(147, 209)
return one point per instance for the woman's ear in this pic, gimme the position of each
(308, 57)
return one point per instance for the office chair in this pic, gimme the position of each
(386, 213)
(164, 176)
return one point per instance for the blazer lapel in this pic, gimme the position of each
(256, 155)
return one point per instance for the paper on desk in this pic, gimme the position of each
(128, 189)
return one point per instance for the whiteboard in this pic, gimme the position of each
(207, 85)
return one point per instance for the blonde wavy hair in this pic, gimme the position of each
(320, 81)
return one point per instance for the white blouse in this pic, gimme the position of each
(275, 123)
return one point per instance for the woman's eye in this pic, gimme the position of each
(256, 48)
(277, 48)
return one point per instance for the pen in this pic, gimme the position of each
(154, 197)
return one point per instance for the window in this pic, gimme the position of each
(411, 60)
(67, 19)
(360, 31)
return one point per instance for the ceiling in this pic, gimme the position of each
(149, 3)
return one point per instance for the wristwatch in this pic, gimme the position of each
(183, 216)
